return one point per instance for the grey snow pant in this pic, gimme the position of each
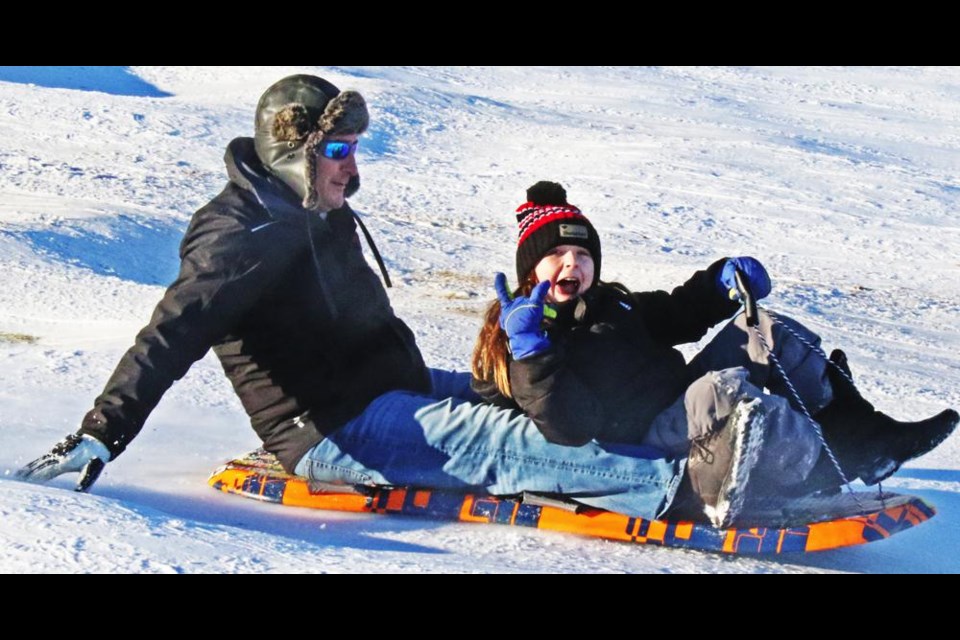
(735, 366)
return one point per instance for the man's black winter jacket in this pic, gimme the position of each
(301, 324)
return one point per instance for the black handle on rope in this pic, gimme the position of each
(749, 302)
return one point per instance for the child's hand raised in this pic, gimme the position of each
(521, 319)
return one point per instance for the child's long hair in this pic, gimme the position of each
(490, 355)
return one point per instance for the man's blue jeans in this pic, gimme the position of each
(448, 440)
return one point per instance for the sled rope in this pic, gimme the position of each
(796, 396)
(823, 354)
(815, 348)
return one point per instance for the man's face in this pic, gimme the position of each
(332, 175)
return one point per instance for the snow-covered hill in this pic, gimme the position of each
(845, 182)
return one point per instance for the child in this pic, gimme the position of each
(589, 360)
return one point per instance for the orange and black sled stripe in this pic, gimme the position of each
(898, 513)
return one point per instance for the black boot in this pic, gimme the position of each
(867, 443)
(841, 381)
(823, 479)
(842, 435)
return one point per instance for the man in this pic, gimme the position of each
(273, 279)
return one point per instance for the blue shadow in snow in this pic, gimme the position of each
(928, 548)
(307, 528)
(943, 475)
(355, 72)
(376, 143)
(114, 80)
(143, 252)
(856, 155)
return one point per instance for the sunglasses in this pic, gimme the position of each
(336, 150)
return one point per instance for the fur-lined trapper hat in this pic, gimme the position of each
(293, 117)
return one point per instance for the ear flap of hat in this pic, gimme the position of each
(291, 124)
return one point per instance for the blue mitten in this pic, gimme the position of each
(521, 318)
(756, 277)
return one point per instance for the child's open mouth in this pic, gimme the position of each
(568, 286)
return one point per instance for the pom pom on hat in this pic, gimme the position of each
(544, 193)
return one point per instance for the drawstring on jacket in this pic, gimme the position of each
(327, 296)
(373, 247)
(316, 261)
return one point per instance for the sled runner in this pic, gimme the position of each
(801, 525)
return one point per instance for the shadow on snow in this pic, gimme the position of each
(113, 80)
(308, 526)
(928, 548)
(130, 249)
